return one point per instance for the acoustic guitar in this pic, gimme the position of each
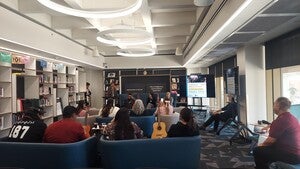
(86, 127)
(159, 129)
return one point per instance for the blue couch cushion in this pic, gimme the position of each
(48, 155)
(151, 153)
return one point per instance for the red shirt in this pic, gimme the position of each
(286, 130)
(64, 131)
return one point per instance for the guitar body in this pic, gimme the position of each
(86, 127)
(159, 130)
(87, 130)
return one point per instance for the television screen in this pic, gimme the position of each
(199, 85)
(231, 80)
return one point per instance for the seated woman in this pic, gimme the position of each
(164, 108)
(82, 108)
(109, 110)
(138, 107)
(121, 128)
(186, 125)
(169, 98)
(151, 100)
(227, 112)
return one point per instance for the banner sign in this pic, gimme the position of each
(17, 59)
(5, 57)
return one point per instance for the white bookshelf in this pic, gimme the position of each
(71, 85)
(5, 98)
(46, 92)
(43, 81)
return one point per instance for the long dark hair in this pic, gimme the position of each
(80, 106)
(186, 115)
(123, 128)
(107, 107)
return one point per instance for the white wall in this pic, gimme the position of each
(196, 70)
(95, 78)
(168, 61)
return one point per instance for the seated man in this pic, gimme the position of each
(283, 142)
(186, 125)
(30, 128)
(67, 130)
(229, 111)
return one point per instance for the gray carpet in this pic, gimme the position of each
(216, 151)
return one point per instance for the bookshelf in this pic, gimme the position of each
(41, 82)
(80, 83)
(5, 96)
(111, 76)
(46, 94)
(71, 77)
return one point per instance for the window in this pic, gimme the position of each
(291, 88)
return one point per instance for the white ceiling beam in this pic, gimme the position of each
(146, 15)
(171, 40)
(170, 3)
(170, 31)
(42, 18)
(173, 18)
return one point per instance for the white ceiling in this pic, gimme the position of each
(174, 24)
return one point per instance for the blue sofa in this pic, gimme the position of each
(144, 122)
(169, 153)
(81, 154)
(282, 165)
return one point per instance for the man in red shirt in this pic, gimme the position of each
(283, 142)
(67, 130)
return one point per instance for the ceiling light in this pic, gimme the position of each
(92, 14)
(140, 37)
(136, 52)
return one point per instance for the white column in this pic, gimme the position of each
(252, 99)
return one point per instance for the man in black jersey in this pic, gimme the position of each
(30, 129)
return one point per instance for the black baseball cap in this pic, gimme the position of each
(35, 111)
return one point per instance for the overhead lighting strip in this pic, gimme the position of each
(147, 37)
(235, 14)
(92, 14)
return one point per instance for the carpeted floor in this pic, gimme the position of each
(216, 151)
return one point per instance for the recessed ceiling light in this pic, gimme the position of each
(92, 14)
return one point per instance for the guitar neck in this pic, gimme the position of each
(85, 118)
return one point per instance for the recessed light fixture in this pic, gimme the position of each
(136, 52)
(140, 37)
(92, 14)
